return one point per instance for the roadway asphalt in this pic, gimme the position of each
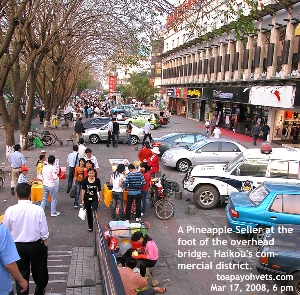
(71, 263)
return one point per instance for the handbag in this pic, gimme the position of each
(73, 192)
(82, 214)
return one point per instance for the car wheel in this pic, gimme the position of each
(295, 284)
(94, 138)
(183, 165)
(206, 197)
(259, 235)
(134, 139)
(152, 126)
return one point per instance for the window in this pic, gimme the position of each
(240, 6)
(257, 168)
(277, 204)
(167, 46)
(258, 195)
(279, 169)
(229, 147)
(185, 138)
(285, 203)
(293, 170)
(199, 137)
(172, 44)
(210, 147)
(178, 41)
(215, 22)
(289, 202)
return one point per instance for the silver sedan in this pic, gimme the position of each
(96, 135)
(206, 151)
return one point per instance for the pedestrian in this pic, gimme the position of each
(78, 178)
(29, 229)
(8, 266)
(295, 133)
(91, 194)
(150, 249)
(50, 179)
(132, 281)
(147, 131)
(133, 183)
(23, 175)
(213, 123)
(116, 179)
(207, 126)
(128, 131)
(16, 160)
(265, 131)
(91, 157)
(153, 161)
(79, 129)
(81, 148)
(41, 115)
(116, 132)
(39, 165)
(144, 190)
(72, 162)
(255, 132)
(217, 132)
(110, 133)
(145, 152)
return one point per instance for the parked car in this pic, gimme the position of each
(269, 204)
(204, 151)
(96, 135)
(95, 122)
(281, 261)
(176, 140)
(141, 119)
(117, 110)
(213, 183)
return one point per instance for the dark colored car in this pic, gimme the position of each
(279, 256)
(95, 122)
(176, 140)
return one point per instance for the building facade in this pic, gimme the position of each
(243, 80)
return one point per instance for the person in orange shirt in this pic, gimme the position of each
(78, 178)
(145, 152)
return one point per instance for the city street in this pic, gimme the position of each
(196, 254)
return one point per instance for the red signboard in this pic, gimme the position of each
(112, 84)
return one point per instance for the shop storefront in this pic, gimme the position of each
(178, 102)
(283, 115)
(194, 103)
(230, 106)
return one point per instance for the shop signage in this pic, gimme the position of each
(178, 92)
(170, 92)
(222, 95)
(185, 91)
(194, 93)
(273, 96)
(111, 84)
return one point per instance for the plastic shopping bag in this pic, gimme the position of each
(82, 214)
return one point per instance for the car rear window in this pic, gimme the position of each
(258, 195)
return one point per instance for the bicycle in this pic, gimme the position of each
(43, 136)
(161, 191)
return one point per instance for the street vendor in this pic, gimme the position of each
(147, 254)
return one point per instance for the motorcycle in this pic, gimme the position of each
(161, 191)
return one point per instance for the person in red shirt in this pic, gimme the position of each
(153, 161)
(145, 152)
(144, 190)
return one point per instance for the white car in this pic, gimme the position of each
(209, 150)
(213, 183)
(96, 135)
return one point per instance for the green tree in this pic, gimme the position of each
(141, 86)
(125, 90)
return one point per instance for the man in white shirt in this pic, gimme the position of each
(217, 132)
(91, 157)
(109, 133)
(72, 162)
(29, 229)
(81, 148)
(147, 131)
(49, 185)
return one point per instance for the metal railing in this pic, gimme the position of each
(112, 283)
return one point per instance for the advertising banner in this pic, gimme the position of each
(170, 92)
(273, 96)
(112, 84)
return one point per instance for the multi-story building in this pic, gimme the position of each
(239, 80)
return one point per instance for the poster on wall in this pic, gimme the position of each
(273, 96)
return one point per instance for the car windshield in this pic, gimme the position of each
(197, 145)
(166, 136)
(234, 163)
(258, 195)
